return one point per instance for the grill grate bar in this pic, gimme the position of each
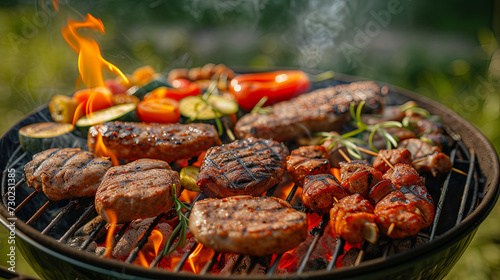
(92, 235)
(470, 175)
(336, 254)
(76, 224)
(25, 201)
(117, 237)
(133, 254)
(38, 213)
(63, 212)
(208, 266)
(318, 232)
(361, 253)
(442, 197)
(184, 258)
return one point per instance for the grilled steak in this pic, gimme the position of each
(168, 142)
(256, 226)
(324, 109)
(321, 192)
(244, 167)
(307, 160)
(66, 173)
(140, 189)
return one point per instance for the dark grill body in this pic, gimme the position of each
(244, 167)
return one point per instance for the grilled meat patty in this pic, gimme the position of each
(168, 142)
(140, 189)
(324, 109)
(256, 226)
(307, 160)
(243, 167)
(66, 173)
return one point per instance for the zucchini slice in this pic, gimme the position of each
(38, 137)
(194, 107)
(141, 92)
(122, 112)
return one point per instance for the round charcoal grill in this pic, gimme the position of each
(44, 227)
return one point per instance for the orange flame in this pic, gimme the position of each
(156, 237)
(335, 172)
(102, 151)
(90, 60)
(188, 196)
(200, 257)
(112, 218)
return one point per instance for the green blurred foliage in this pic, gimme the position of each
(447, 52)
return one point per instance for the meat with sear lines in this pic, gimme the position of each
(244, 167)
(324, 109)
(66, 173)
(256, 226)
(168, 142)
(140, 189)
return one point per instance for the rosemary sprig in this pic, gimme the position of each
(182, 226)
(204, 100)
(350, 143)
(258, 109)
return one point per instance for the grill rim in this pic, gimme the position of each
(488, 166)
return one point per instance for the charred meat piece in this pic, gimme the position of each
(394, 156)
(390, 113)
(380, 190)
(403, 175)
(307, 160)
(66, 173)
(244, 167)
(321, 192)
(352, 218)
(358, 177)
(256, 226)
(426, 157)
(140, 189)
(402, 213)
(168, 142)
(320, 110)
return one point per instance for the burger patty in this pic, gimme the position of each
(140, 189)
(324, 109)
(168, 142)
(256, 226)
(243, 167)
(66, 173)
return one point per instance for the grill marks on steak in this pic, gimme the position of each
(244, 167)
(140, 189)
(324, 109)
(256, 226)
(168, 142)
(66, 173)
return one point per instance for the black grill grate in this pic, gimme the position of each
(61, 220)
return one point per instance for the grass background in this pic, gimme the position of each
(447, 52)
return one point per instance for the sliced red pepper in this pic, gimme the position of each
(162, 110)
(249, 89)
(181, 88)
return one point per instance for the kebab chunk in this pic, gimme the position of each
(358, 176)
(256, 226)
(66, 173)
(407, 210)
(320, 110)
(352, 218)
(307, 160)
(426, 157)
(168, 142)
(140, 189)
(394, 156)
(321, 192)
(243, 167)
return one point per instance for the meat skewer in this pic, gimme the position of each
(307, 160)
(320, 192)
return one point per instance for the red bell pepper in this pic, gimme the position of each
(181, 88)
(249, 89)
